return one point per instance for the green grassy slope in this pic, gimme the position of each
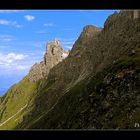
(15, 98)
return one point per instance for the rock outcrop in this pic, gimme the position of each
(54, 54)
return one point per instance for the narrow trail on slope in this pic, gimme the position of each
(13, 115)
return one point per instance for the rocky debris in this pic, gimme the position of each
(54, 54)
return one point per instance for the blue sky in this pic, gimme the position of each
(24, 34)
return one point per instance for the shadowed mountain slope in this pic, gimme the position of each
(96, 86)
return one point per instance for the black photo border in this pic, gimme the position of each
(64, 5)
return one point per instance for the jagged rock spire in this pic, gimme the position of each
(54, 54)
(56, 41)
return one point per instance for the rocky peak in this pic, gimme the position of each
(121, 18)
(51, 46)
(90, 30)
(54, 54)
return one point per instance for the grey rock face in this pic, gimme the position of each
(54, 54)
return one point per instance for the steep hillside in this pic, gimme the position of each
(96, 86)
(61, 78)
(108, 100)
(15, 100)
(13, 105)
(94, 50)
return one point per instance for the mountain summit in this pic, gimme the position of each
(54, 54)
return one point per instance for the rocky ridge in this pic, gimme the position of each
(93, 51)
(54, 54)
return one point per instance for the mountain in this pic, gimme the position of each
(94, 86)
(54, 54)
(19, 95)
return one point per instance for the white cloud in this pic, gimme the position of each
(18, 26)
(67, 47)
(7, 59)
(10, 11)
(9, 23)
(44, 31)
(13, 68)
(48, 24)
(18, 63)
(14, 23)
(6, 38)
(67, 43)
(22, 67)
(4, 22)
(29, 17)
(14, 63)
